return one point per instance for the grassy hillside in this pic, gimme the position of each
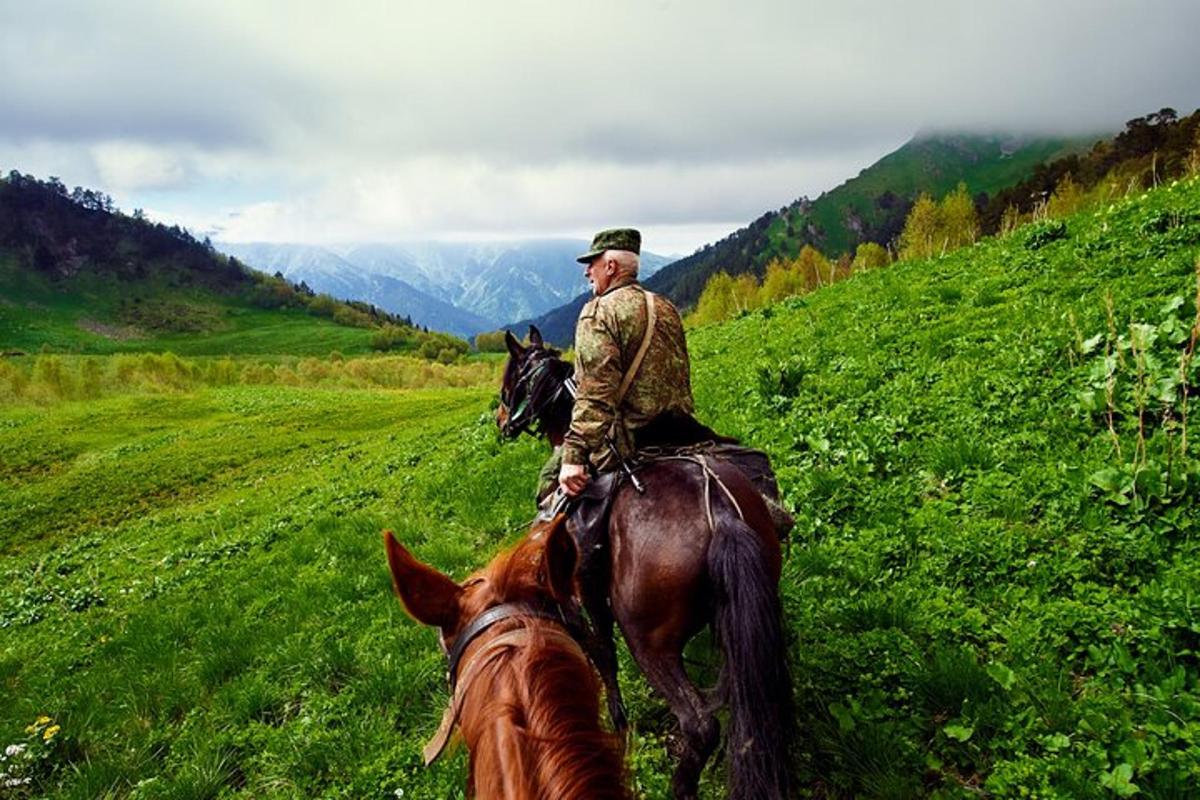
(852, 212)
(985, 596)
(78, 275)
(987, 593)
(98, 315)
(869, 207)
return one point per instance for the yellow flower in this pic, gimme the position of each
(42, 720)
(49, 734)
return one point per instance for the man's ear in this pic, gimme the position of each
(559, 558)
(428, 596)
(535, 336)
(514, 347)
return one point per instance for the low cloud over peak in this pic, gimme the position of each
(540, 117)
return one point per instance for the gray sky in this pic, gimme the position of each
(319, 122)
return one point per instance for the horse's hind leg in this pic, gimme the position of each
(698, 727)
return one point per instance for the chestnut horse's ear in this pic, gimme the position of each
(428, 596)
(559, 558)
(535, 336)
(514, 347)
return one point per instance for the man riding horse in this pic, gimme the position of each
(633, 376)
(676, 527)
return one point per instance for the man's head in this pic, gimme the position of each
(613, 256)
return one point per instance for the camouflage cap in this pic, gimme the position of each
(613, 239)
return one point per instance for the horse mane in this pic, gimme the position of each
(542, 720)
(537, 719)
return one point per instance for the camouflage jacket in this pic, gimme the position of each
(607, 338)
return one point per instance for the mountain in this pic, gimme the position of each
(869, 207)
(77, 274)
(462, 287)
(325, 271)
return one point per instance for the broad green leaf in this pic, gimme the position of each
(1002, 675)
(959, 732)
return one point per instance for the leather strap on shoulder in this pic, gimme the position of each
(627, 381)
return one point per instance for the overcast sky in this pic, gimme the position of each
(383, 121)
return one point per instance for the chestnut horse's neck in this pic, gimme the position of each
(531, 721)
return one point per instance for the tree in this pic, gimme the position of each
(814, 269)
(869, 255)
(490, 342)
(1068, 197)
(959, 222)
(921, 229)
(782, 280)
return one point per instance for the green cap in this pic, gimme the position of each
(613, 239)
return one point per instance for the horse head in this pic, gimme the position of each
(523, 694)
(533, 392)
(537, 572)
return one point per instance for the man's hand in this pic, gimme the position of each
(573, 478)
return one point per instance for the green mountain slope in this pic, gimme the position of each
(986, 598)
(78, 275)
(869, 207)
(989, 589)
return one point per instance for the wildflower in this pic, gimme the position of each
(50, 732)
(14, 750)
(42, 720)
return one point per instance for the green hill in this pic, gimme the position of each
(78, 275)
(991, 589)
(869, 207)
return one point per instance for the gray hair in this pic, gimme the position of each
(627, 262)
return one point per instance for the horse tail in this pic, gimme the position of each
(754, 682)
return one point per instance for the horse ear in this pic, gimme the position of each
(428, 596)
(535, 336)
(559, 557)
(514, 347)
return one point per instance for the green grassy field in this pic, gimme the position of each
(36, 314)
(986, 596)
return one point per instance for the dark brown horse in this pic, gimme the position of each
(524, 695)
(697, 548)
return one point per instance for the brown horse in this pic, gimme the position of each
(524, 695)
(697, 548)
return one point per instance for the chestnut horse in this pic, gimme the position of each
(524, 695)
(697, 548)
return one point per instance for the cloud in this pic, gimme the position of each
(129, 166)
(472, 118)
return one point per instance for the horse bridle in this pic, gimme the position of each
(486, 619)
(528, 412)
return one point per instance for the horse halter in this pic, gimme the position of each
(490, 617)
(535, 399)
(572, 633)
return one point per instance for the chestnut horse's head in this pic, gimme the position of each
(538, 571)
(527, 701)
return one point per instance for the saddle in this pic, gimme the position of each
(670, 436)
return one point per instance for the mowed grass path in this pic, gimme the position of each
(195, 590)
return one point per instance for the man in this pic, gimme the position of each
(610, 332)
(625, 400)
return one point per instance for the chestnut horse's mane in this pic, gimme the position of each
(534, 713)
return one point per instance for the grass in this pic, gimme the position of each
(93, 317)
(984, 597)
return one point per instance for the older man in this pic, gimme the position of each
(626, 380)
